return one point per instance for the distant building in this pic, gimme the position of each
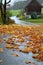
(33, 6)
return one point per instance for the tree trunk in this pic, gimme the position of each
(1, 11)
(4, 12)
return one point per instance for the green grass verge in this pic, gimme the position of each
(39, 20)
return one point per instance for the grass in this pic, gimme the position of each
(15, 12)
(39, 20)
(42, 10)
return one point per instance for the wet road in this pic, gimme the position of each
(8, 59)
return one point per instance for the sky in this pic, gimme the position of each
(12, 1)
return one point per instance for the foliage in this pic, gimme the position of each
(18, 15)
(22, 17)
(34, 15)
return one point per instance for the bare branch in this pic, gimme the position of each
(8, 2)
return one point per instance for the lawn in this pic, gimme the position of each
(15, 12)
(39, 20)
(42, 11)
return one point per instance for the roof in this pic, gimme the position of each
(29, 1)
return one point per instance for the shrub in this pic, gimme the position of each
(22, 17)
(34, 15)
(18, 15)
(10, 21)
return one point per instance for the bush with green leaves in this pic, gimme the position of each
(18, 15)
(34, 15)
(22, 17)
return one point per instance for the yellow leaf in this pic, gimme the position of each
(1, 49)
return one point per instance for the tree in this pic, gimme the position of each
(3, 10)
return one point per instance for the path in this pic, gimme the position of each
(17, 21)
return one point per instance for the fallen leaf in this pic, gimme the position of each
(27, 62)
(1, 49)
(1, 40)
(26, 50)
(9, 46)
(1, 61)
(17, 55)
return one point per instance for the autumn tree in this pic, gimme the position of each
(3, 10)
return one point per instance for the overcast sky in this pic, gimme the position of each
(12, 1)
